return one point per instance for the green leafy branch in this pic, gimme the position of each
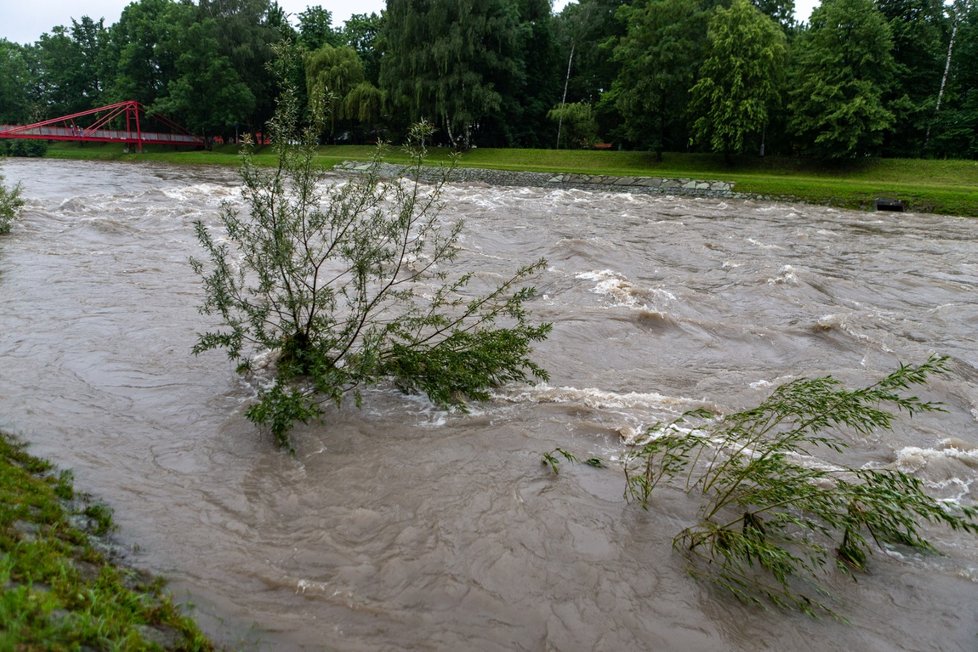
(769, 522)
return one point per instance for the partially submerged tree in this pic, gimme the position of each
(774, 512)
(773, 515)
(10, 203)
(348, 287)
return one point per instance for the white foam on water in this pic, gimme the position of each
(304, 585)
(625, 293)
(762, 245)
(912, 458)
(786, 276)
(595, 398)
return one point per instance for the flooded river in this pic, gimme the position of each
(404, 527)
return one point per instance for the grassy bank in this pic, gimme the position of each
(60, 591)
(948, 187)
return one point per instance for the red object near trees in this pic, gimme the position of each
(101, 128)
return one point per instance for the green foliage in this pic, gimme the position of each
(360, 32)
(919, 31)
(740, 80)
(348, 286)
(247, 30)
(205, 94)
(57, 591)
(770, 522)
(957, 123)
(659, 57)
(71, 70)
(10, 203)
(843, 70)
(23, 148)
(447, 59)
(594, 27)
(316, 29)
(143, 65)
(16, 81)
(552, 460)
(780, 11)
(332, 75)
(579, 127)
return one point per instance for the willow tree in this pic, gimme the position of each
(444, 60)
(331, 74)
(740, 79)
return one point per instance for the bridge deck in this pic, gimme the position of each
(99, 135)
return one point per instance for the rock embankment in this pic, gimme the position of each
(601, 182)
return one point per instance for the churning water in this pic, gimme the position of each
(403, 527)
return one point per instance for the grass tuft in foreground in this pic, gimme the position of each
(58, 590)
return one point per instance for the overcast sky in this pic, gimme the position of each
(23, 21)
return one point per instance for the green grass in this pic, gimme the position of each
(59, 591)
(938, 186)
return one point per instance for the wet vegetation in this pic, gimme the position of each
(352, 286)
(10, 203)
(774, 517)
(61, 587)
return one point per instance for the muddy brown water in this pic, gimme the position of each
(404, 527)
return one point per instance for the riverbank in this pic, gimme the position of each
(925, 186)
(63, 586)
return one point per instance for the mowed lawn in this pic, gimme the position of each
(935, 186)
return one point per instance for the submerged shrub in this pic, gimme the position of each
(10, 203)
(348, 286)
(769, 523)
(774, 518)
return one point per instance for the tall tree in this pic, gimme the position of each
(361, 32)
(920, 31)
(316, 29)
(246, 32)
(206, 94)
(144, 66)
(844, 69)
(445, 60)
(17, 104)
(659, 56)
(740, 79)
(956, 130)
(71, 66)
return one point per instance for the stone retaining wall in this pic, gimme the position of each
(643, 185)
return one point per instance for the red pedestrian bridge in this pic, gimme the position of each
(105, 125)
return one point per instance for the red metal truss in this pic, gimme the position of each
(66, 128)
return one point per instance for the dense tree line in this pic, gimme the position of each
(864, 77)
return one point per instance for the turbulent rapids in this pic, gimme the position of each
(400, 526)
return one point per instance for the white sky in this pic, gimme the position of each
(23, 21)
